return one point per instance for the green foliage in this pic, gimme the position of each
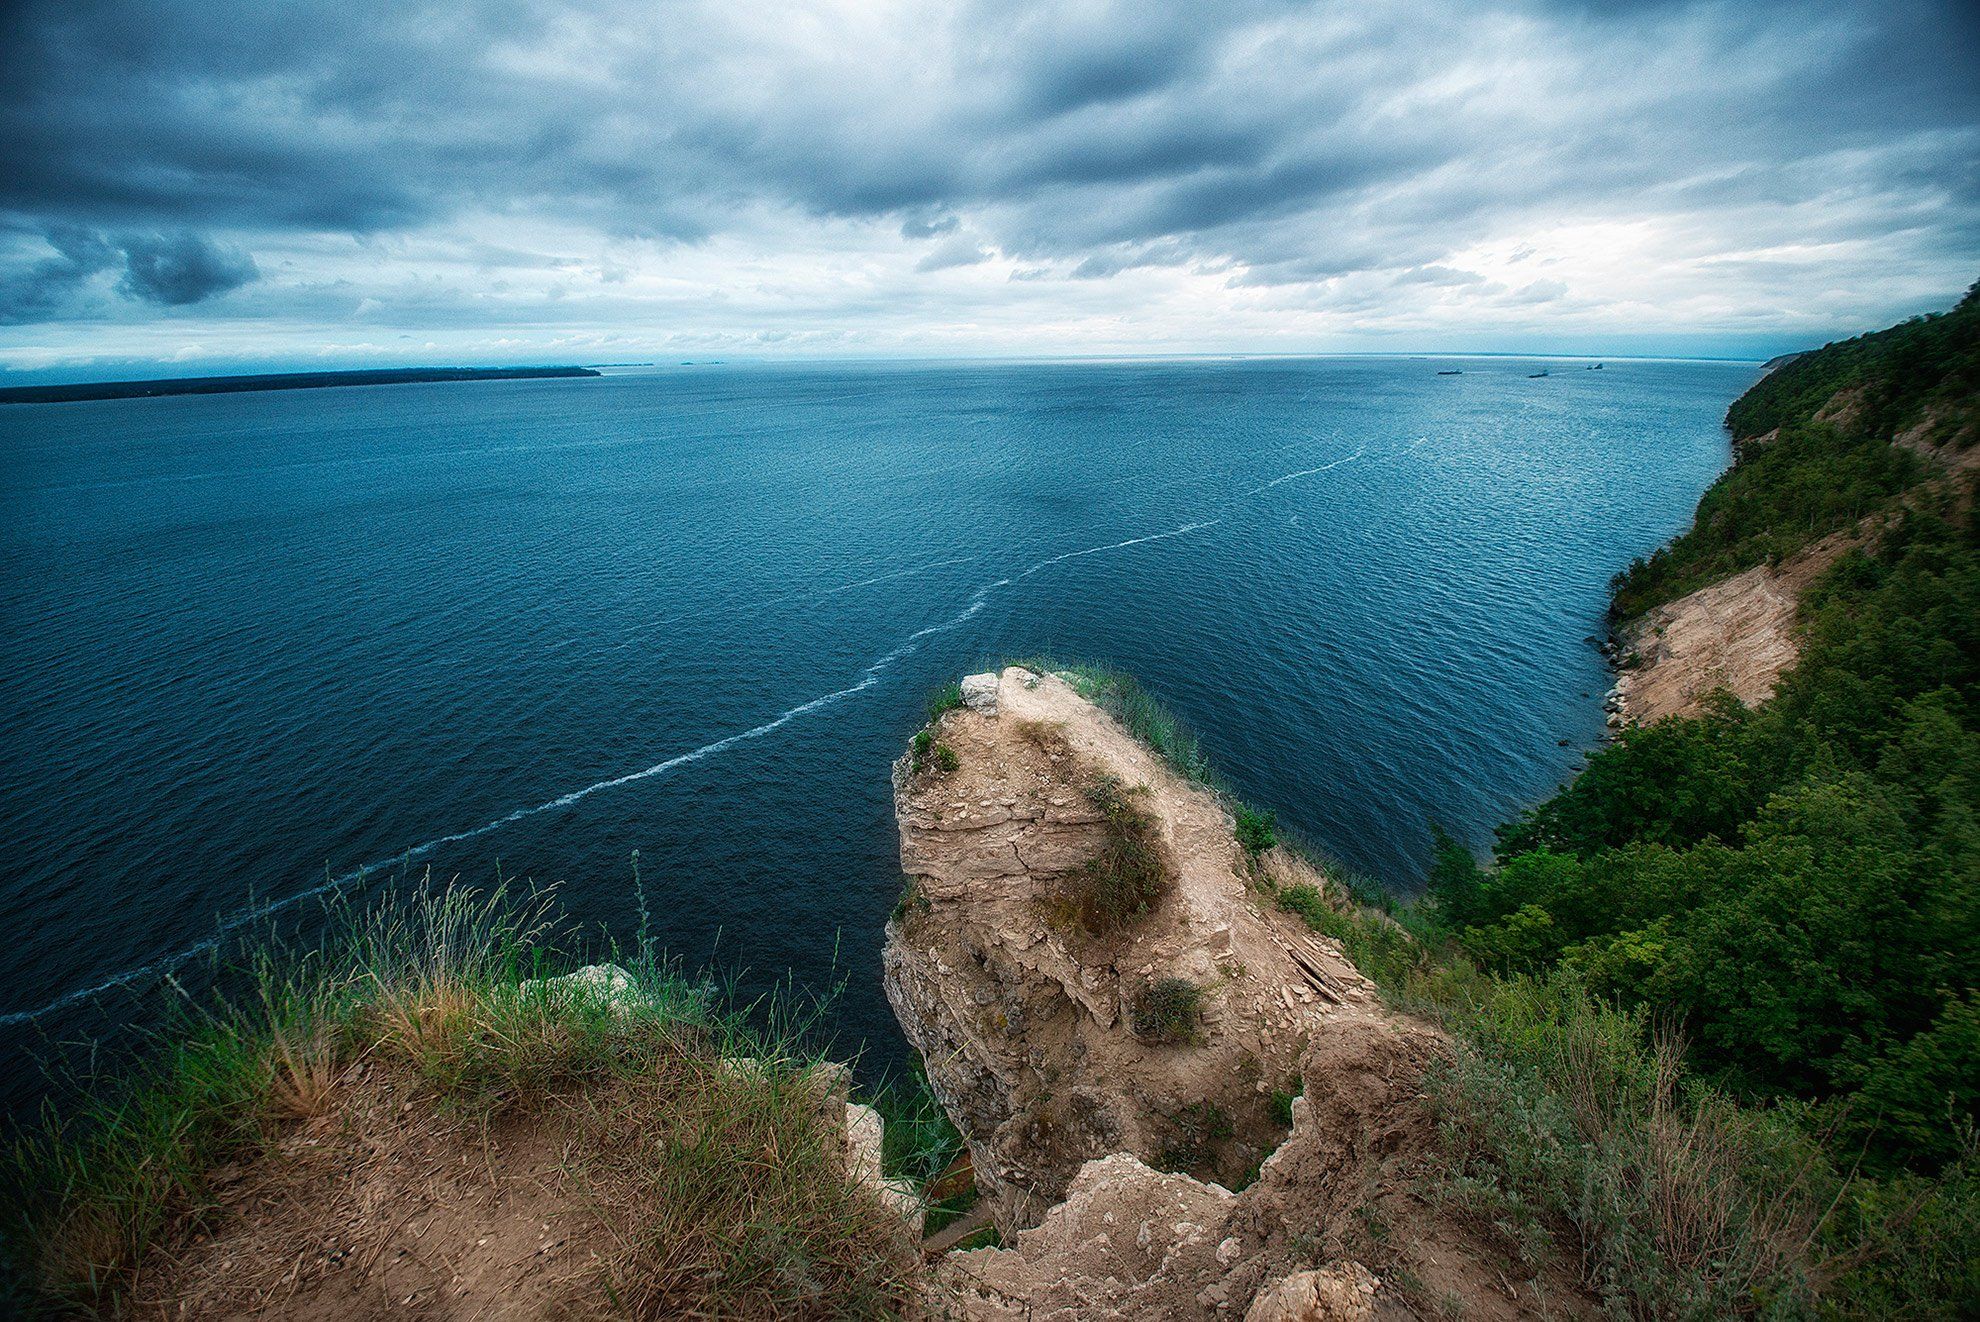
(919, 1142)
(1373, 941)
(925, 751)
(1256, 831)
(1559, 1110)
(1817, 476)
(1167, 1010)
(1121, 696)
(944, 700)
(1900, 372)
(1810, 481)
(1799, 885)
(1281, 1100)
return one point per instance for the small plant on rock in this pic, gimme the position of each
(1127, 877)
(1168, 1010)
(1256, 831)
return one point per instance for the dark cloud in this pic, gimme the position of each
(1284, 144)
(38, 290)
(174, 270)
(159, 269)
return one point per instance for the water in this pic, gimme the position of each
(254, 642)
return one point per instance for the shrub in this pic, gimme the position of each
(1199, 1127)
(1256, 831)
(1129, 875)
(1167, 1010)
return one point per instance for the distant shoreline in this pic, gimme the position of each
(227, 385)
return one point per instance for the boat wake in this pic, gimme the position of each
(867, 678)
(159, 968)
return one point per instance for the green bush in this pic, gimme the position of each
(1256, 831)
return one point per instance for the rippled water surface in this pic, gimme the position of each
(255, 642)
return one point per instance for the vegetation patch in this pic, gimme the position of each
(927, 753)
(1168, 1010)
(1129, 875)
(944, 700)
(447, 1000)
(1122, 697)
(1200, 1130)
(1256, 831)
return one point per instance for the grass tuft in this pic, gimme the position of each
(1168, 1010)
(1129, 875)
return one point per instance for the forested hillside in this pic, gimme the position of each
(1798, 886)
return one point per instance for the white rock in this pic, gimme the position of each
(979, 693)
(606, 983)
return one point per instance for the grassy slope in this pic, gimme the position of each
(443, 990)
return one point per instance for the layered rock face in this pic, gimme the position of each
(1108, 1155)
(1024, 1016)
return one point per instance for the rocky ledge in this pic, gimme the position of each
(1252, 1153)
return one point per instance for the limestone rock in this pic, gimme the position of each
(979, 693)
(1333, 1294)
(1023, 1019)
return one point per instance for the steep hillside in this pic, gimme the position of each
(1788, 870)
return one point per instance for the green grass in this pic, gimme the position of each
(439, 987)
(944, 700)
(1121, 696)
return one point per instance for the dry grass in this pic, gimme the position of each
(1571, 1126)
(726, 1197)
(724, 1189)
(1129, 875)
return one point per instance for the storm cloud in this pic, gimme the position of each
(958, 177)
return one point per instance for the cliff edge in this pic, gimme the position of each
(1184, 1104)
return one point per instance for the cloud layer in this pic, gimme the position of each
(525, 178)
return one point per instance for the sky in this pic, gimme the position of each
(194, 186)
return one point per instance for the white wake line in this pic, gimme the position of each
(867, 679)
(818, 594)
(1304, 472)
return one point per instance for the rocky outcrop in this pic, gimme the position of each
(1133, 1177)
(1025, 1018)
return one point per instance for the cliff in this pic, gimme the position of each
(1831, 448)
(1193, 1108)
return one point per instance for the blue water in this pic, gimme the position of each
(254, 642)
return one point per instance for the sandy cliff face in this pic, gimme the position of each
(1737, 634)
(1026, 1021)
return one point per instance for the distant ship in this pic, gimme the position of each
(1596, 368)
(1543, 372)
(1451, 371)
